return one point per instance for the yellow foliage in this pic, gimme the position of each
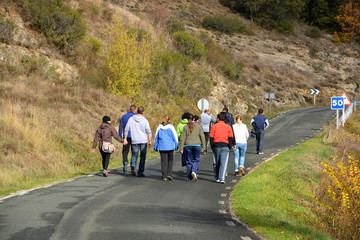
(128, 59)
(340, 201)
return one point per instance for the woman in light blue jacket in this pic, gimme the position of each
(166, 142)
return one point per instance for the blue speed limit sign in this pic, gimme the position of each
(337, 103)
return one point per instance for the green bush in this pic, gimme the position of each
(283, 26)
(228, 25)
(6, 30)
(62, 25)
(174, 25)
(232, 70)
(95, 45)
(313, 51)
(189, 45)
(171, 60)
(313, 32)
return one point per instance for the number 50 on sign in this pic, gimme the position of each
(337, 103)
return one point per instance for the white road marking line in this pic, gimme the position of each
(221, 202)
(257, 163)
(70, 180)
(264, 159)
(234, 181)
(222, 211)
(248, 169)
(223, 194)
(245, 238)
(22, 193)
(90, 175)
(230, 223)
(228, 188)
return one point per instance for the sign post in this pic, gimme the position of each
(346, 103)
(269, 96)
(337, 103)
(203, 104)
(314, 92)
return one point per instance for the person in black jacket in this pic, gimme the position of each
(229, 118)
(260, 123)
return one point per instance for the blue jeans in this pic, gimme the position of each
(221, 158)
(239, 154)
(192, 160)
(259, 140)
(135, 148)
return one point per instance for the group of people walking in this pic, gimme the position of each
(190, 137)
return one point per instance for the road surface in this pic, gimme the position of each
(127, 207)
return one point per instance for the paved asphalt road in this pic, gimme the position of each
(127, 207)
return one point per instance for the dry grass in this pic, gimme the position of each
(47, 128)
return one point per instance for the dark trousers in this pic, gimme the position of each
(167, 158)
(125, 151)
(183, 158)
(105, 159)
(259, 140)
(207, 137)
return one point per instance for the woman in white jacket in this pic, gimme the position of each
(241, 135)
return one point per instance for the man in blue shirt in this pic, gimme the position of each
(205, 122)
(260, 123)
(126, 148)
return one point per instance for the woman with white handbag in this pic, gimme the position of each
(103, 139)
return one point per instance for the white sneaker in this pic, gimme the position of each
(217, 180)
(193, 174)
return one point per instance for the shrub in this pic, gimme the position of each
(313, 51)
(189, 45)
(313, 32)
(171, 59)
(228, 25)
(128, 61)
(62, 25)
(174, 25)
(6, 30)
(95, 9)
(232, 70)
(95, 45)
(338, 194)
(140, 34)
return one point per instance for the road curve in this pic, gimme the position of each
(127, 207)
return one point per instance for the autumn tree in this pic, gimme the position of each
(349, 20)
(128, 58)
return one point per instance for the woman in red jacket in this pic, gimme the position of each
(221, 141)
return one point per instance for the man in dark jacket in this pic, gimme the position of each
(260, 123)
(126, 148)
(229, 118)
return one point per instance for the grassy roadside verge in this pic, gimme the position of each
(274, 200)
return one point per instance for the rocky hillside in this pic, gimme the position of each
(288, 66)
